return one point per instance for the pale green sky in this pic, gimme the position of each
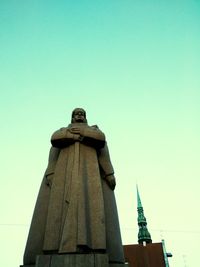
(134, 66)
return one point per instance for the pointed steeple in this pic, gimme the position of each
(143, 234)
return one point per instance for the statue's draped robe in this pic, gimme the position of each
(75, 206)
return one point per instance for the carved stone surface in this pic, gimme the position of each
(79, 260)
(76, 209)
(74, 260)
(43, 261)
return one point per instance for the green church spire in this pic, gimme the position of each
(143, 234)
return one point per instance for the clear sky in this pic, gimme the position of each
(134, 66)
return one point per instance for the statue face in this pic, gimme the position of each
(79, 116)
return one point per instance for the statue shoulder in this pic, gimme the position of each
(95, 126)
(59, 133)
(61, 129)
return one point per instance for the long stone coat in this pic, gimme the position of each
(75, 208)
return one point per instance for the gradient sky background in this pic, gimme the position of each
(134, 66)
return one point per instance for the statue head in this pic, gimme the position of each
(79, 115)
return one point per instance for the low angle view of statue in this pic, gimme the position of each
(76, 212)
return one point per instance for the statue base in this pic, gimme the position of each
(74, 260)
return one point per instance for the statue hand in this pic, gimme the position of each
(75, 130)
(77, 137)
(49, 179)
(111, 181)
(77, 133)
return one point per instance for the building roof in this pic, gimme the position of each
(150, 255)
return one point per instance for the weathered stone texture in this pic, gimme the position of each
(76, 211)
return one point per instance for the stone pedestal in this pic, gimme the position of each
(119, 265)
(74, 260)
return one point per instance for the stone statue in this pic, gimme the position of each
(76, 210)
